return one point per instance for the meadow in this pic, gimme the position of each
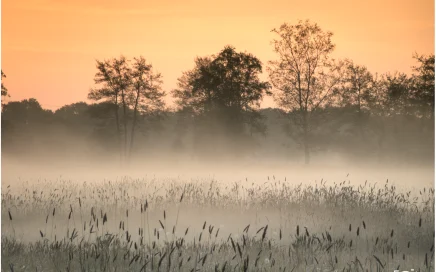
(170, 224)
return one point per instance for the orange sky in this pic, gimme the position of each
(49, 47)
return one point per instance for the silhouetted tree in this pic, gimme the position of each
(4, 91)
(423, 85)
(357, 91)
(115, 77)
(76, 117)
(392, 104)
(398, 89)
(26, 112)
(123, 75)
(68, 113)
(146, 95)
(136, 87)
(304, 76)
(401, 100)
(224, 91)
(108, 92)
(24, 120)
(102, 115)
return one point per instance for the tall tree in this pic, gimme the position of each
(223, 89)
(397, 87)
(147, 95)
(134, 89)
(357, 90)
(304, 76)
(391, 104)
(123, 81)
(113, 76)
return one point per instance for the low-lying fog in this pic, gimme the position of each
(56, 200)
(332, 170)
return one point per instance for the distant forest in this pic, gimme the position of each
(325, 106)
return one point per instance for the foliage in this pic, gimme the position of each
(4, 90)
(134, 90)
(223, 94)
(325, 105)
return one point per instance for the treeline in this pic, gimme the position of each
(326, 106)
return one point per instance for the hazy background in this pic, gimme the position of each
(50, 49)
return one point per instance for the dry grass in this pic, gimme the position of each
(168, 225)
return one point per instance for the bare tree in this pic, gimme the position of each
(304, 76)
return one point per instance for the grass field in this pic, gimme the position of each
(205, 225)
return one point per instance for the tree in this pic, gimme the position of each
(224, 92)
(23, 123)
(135, 87)
(4, 90)
(26, 112)
(357, 90)
(75, 117)
(146, 96)
(69, 112)
(188, 95)
(390, 108)
(103, 123)
(114, 76)
(304, 76)
(423, 84)
(397, 89)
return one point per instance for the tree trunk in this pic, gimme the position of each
(306, 152)
(132, 134)
(359, 114)
(381, 139)
(117, 121)
(306, 139)
(124, 122)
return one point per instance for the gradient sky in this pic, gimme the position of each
(49, 47)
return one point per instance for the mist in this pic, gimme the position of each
(338, 177)
(55, 149)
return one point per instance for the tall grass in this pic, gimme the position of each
(167, 225)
